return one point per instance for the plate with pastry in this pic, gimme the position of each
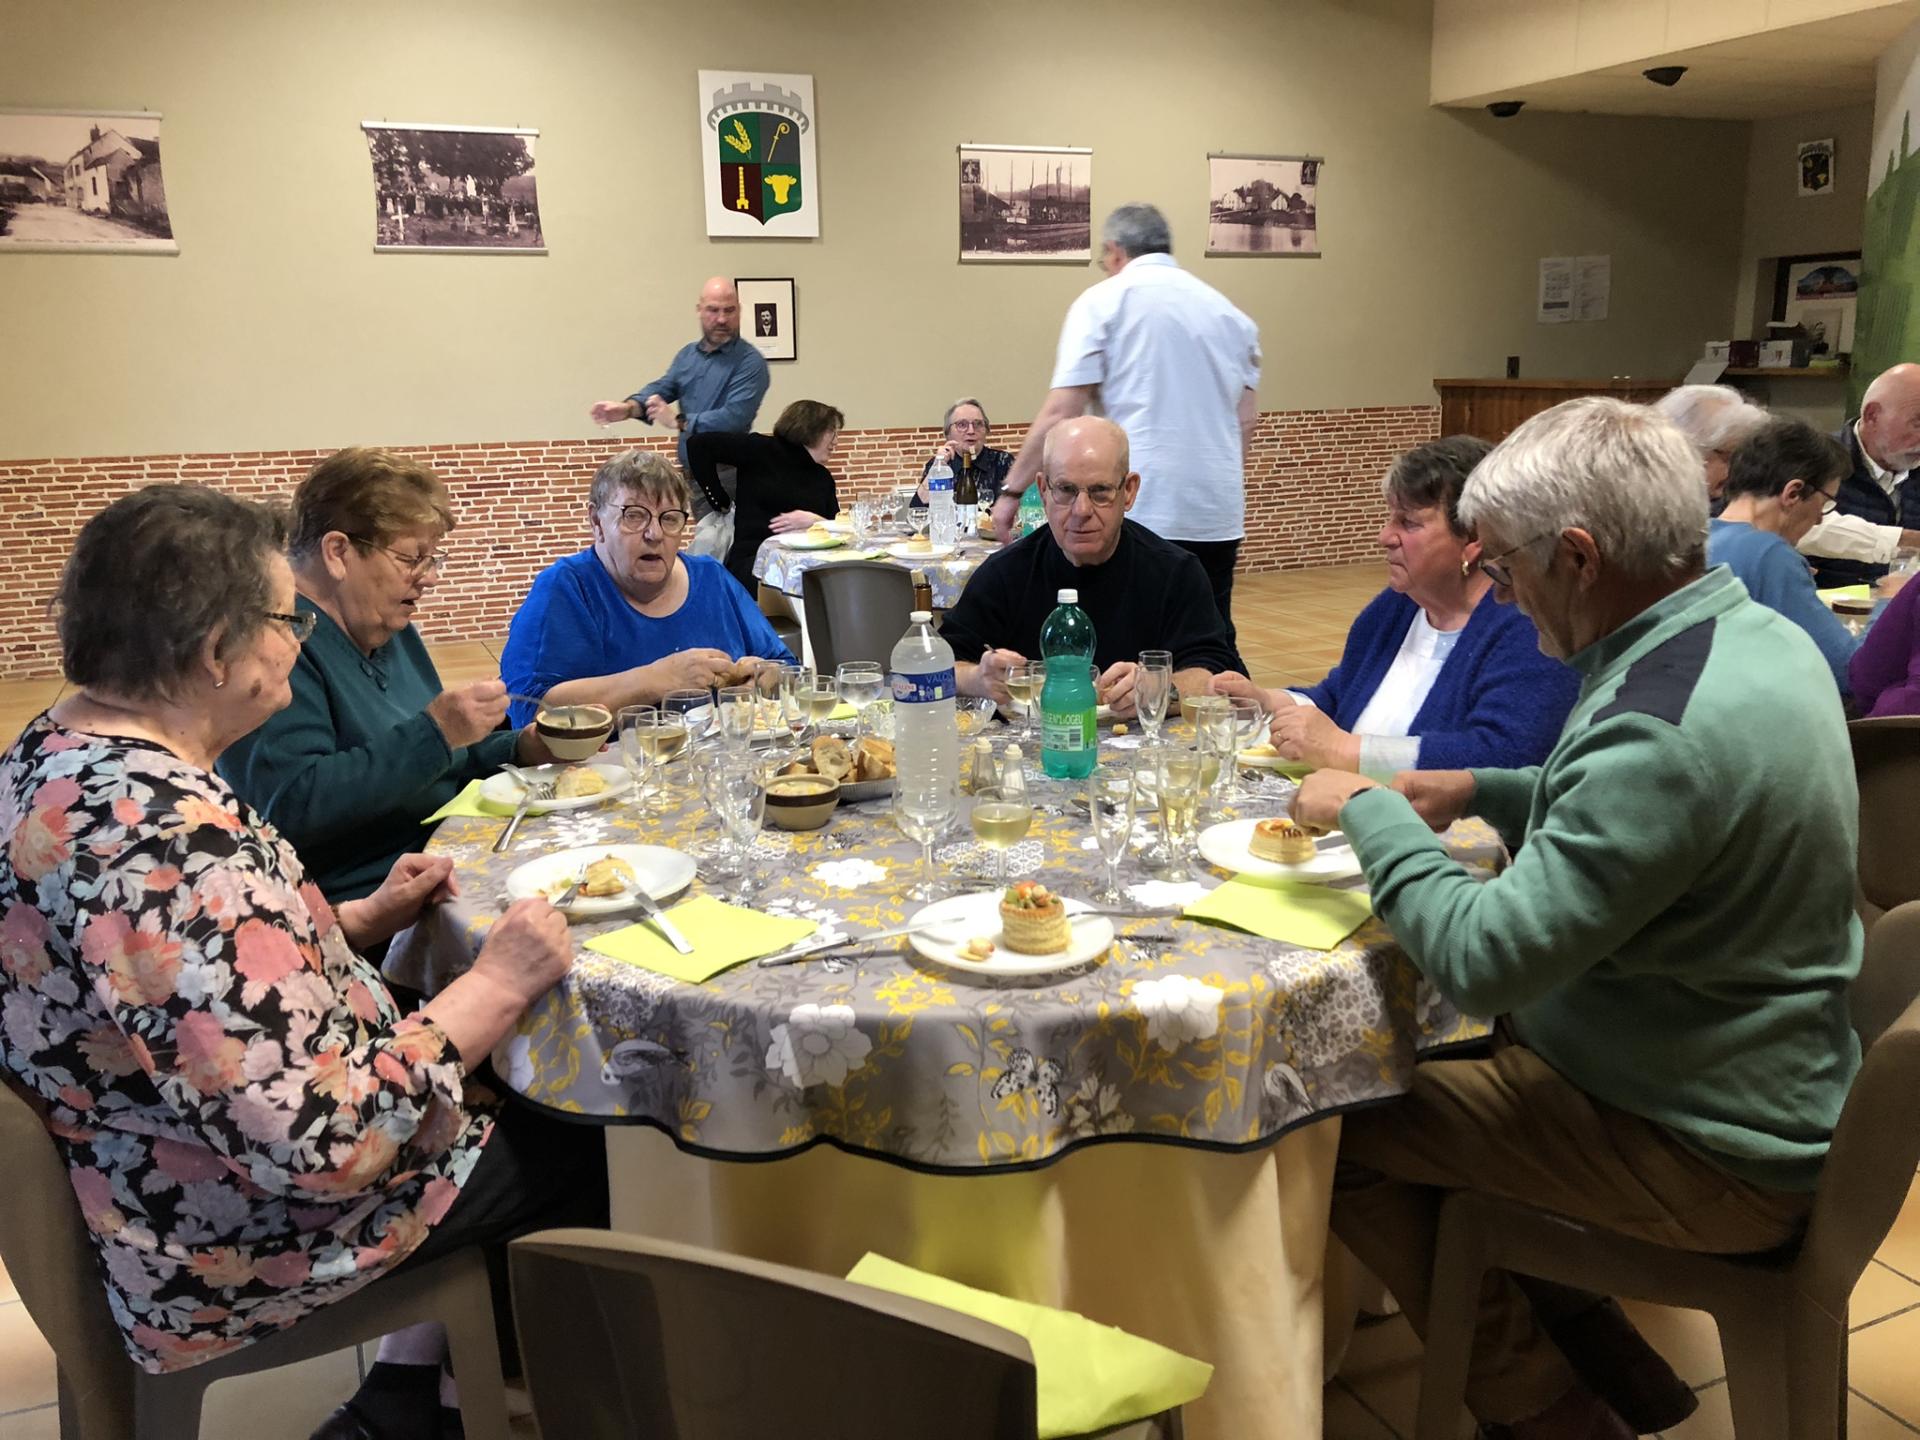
(608, 876)
(1278, 849)
(814, 537)
(1265, 756)
(575, 787)
(1025, 929)
(920, 549)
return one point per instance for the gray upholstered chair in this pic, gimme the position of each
(856, 610)
(1886, 759)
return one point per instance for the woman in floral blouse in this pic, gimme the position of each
(251, 1127)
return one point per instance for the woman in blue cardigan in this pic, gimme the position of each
(1436, 675)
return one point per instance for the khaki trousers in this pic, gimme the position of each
(1511, 1126)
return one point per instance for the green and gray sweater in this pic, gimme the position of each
(1676, 935)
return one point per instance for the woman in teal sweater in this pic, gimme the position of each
(372, 744)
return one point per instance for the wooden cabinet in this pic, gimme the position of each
(1492, 409)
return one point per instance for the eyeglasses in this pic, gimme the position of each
(1829, 499)
(959, 424)
(1100, 496)
(1502, 575)
(300, 624)
(634, 519)
(415, 565)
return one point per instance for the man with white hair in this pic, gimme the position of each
(1170, 360)
(1672, 945)
(1878, 514)
(1716, 419)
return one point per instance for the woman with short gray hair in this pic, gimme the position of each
(1717, 420)
(964, 447)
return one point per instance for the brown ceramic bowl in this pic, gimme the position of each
(574, 732)
(801, 802)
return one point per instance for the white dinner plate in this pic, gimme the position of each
(838, 527)
(902, 551)
(700, 723)
(969, 917)
(1255, 760)
(807, 540)
(1226, 845)
(660, 871)
(501, 788)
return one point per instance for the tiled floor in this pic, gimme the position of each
(1291, 626)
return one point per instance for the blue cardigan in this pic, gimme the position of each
(1498, 703)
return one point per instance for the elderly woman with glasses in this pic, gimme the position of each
(965, 449)
(371, 743)
(1435, 674)
(1780, 484)
(630, 618)
(1717, 420)
(251, 1128)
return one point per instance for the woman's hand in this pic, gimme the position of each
(793, 520)
(527, 952)
(415, 882)
(469, 713)
(1301, 732)
(1317, 803)
(688, 670)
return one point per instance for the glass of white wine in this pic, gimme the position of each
(1110, 804)
(1000, 821)
(679, 707)
(861, 682)
(1025, 680)
(1178, 771)
(923, 812)
(635, 724)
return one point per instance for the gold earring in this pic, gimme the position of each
(1466, 568)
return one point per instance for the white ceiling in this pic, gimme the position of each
(1779, 72)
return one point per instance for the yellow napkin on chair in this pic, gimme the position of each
(1314, 916)
(1088, 1376)
(467, 802)
(722, 936)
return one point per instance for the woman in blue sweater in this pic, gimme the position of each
(1436, 675)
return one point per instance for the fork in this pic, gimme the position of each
(537, 792)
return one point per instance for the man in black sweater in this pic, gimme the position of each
(1141, 592)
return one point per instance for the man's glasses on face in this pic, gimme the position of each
(634, 519)
(1502, 574)
(1099, 496)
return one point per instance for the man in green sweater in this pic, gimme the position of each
(1673, 942)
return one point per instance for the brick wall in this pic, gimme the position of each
(1312, 499)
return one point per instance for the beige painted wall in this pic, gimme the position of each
(277, 326)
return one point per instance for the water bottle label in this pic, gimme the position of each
(921, 689)
(1065, 730)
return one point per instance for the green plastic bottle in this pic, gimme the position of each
(1032, 513)
(1069, 744)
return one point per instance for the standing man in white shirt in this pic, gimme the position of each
(1879, 513)
(1177, 366)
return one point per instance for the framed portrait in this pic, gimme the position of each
(1819, 291)
(768, 317)
(1026, 202)
(453, 189)
(757, 144)
(87, 182)
(1263, 205)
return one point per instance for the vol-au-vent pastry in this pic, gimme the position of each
(576, 782)
(1033, 920)
(609, 875)
(1281, 841)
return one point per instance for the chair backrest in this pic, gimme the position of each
(1889, 972)
(44, 1243)
(1870, 1163)
(625, 1336)
(856, 610)
(1886, 760)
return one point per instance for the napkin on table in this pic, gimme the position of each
(1846, 592)
(467, 802)
(1316, 917)
(722, 936)
(1088, 1376)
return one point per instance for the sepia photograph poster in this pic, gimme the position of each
(1263, 205)
(84, 182)
(1026, 202)
(756, 136)
(443, 189)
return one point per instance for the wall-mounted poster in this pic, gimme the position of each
(1815, 175)
(1820, 292)
(83, 181)
(1263, 205)
(1026, 202)
(452, 189)
(757, 136)
(768, 318)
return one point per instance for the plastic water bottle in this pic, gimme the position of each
(943, 523)
(1032, 514)
(1068, 745)
(926, 737)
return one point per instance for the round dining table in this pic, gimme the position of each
(1148, 1139)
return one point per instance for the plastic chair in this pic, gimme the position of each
(856, 610)
(627, 1336)
(1886, 758)
(105, 1396)
(1782, 1314)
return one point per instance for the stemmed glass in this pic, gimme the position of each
(678, 707)
(1025, 680)
(795, 685)
(740, 793)
(738, 707)
(923, 812)
(820, 696)
(1213, 738)
(1249, 721)
(862, 523)
(1177, 771)
(1000, 821)
(861, 683)
(1153, 691)
(640, 735)
(918, 517)
(709, 763)
(1110, 802)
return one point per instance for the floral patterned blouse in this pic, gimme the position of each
(251, 1128)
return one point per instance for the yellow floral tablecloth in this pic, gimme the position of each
(780, 567)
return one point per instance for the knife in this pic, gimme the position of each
(807, 948)
(666, 927)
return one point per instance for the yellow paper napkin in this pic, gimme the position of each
(1314, 916)
(842, 711)
(1846, 592)
(722, 936)
(1089, 1376)
(467, 802)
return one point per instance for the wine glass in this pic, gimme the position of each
(1000, 821)
(1025, 680)
(737, 708)
(796, 684)
(639, 725)
(679, 707)
(862, 523)
(1110, 802)
(1153, 691)
(1213, 737)
(1177, 771)
(923, 811)
(918, 517)
(1249, 721)
(740, 790)
(861, 683)
(821, 697)
(708, 763)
